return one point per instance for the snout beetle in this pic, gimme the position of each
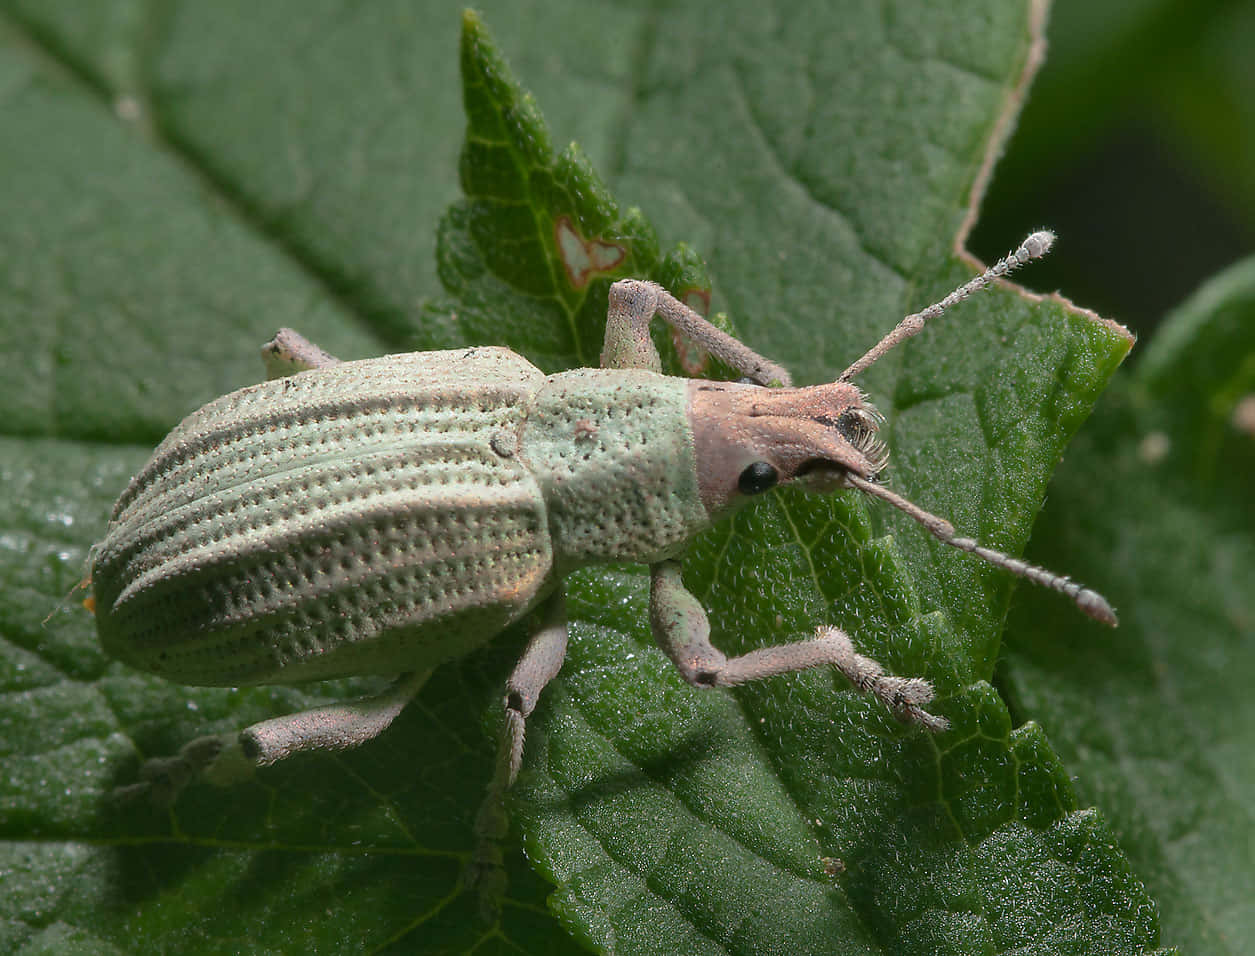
(383, 516)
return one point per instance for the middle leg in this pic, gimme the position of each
(681, 628)
(539, 664)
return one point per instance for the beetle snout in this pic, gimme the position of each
(748, 439)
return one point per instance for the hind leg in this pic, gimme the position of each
(224, 759)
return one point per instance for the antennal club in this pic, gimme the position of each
(1034, 247)
(1091, 603)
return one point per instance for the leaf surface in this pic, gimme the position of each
(1155, 720)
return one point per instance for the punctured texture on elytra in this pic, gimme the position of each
(314, 526)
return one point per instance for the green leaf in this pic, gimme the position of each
(659, 847)
(286, 164)
(1156, 720)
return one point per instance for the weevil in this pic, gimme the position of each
(383, 516)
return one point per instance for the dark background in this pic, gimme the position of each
(1137, 147)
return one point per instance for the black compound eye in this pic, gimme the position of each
(757, 478)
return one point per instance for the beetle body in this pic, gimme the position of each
(380, 516)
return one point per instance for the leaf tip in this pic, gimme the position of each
(472, 24)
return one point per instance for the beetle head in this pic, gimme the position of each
(749, 438)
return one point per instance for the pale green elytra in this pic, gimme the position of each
(386, 515)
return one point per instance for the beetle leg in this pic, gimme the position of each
(334, 727)
(290, 352)
(633, 305)
(681, 628)
(539, 664)
(227, 758)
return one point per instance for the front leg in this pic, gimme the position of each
(681, 628)
(633, 305)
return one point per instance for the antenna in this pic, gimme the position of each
(1034, 247)
(1089, 602)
